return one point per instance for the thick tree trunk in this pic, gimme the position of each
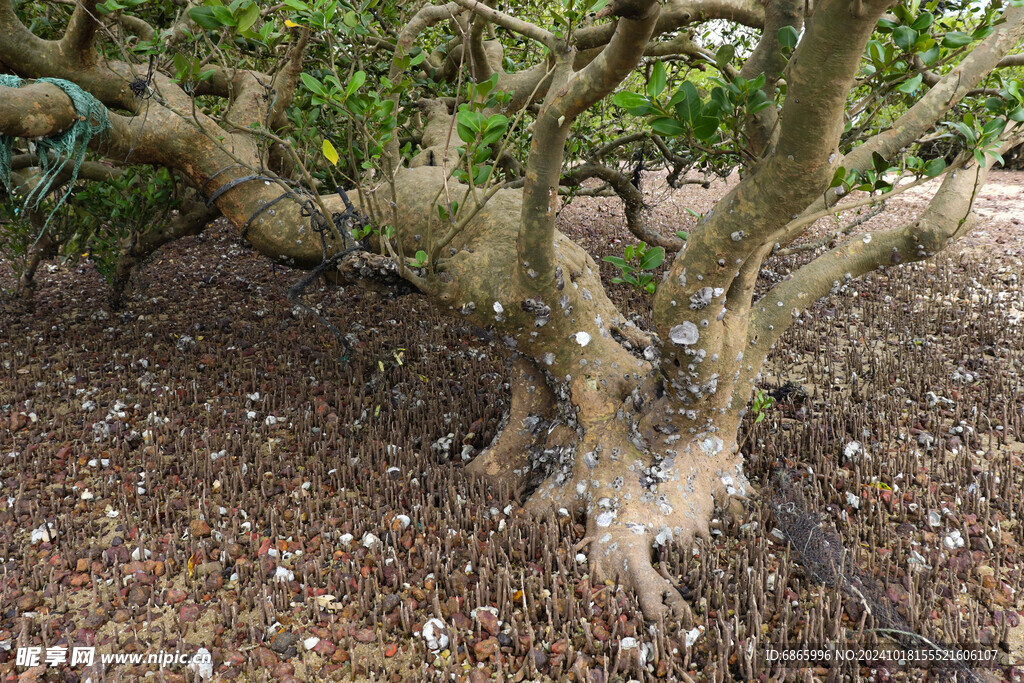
(589, 420)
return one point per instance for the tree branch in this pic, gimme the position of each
(425, 17)
(135, 25)
(479, 64)
(507, 21)
(599, 77)
(632, 200)
(947, 217)
(80, 37)
(570, 94)
(286, 80)
(769, 60)
(678, 13)
(953, 87)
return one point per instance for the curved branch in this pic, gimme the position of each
(599, 77)
(953, 87)
(20, 45)
(948, 216)
(478, 62)
(507, 21)
(632, 200)
(80, 37)
(678, 13)
(139, 27)
(1011, 60)
(427, 16)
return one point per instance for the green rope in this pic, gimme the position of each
(57, 151)
(7, 81)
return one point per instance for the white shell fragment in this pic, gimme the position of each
(685, 333)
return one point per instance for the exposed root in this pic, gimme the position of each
(635, 502)
(621, 556)
(530, 428)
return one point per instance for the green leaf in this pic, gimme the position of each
(330, 153)
(248, 17)
(223, 15)
(667, 126)
(705, 127)
(481, 173)
(682, 234)
(923, 21)
(350, 19)
(934, 167)
(466, 134)
(358, 78)
(628, 100)
(905, 37)
(313, 84)
(955, 39)
(616, 261)
(930, 55)
(838, 178)
(1016, 115)
(994, 127)
(788, 37)
(911, 85)
(965, 131)
(688, 107)
(659, 78)
(652, 258)
(724, 56)
(204, 17)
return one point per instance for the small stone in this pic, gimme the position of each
(29, 601)
(283, 669)
(365, 635)
(138, 595)
(234, 659)
(188, 613)
(117, 554)
(264, 657)
(284, 644)
(176, 596)
(488, 621)
(485, 648)
(198, 528)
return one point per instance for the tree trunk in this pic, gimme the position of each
(590, 420)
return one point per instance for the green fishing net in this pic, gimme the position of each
(59, 151)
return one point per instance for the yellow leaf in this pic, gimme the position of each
(290, 24)
(191, 564)
(330, 153)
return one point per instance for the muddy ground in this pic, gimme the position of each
(208, 469)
